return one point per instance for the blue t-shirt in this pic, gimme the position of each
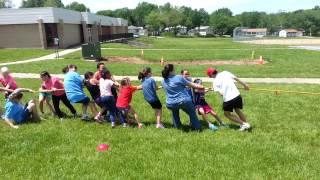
(175, 88)
(14, 111)
(149, 87)
(189, 90)
(74, 87)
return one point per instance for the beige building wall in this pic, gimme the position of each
(71, 35)
(20, 36)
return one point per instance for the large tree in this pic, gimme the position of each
(223, 22)
(53, 3)
(77, 7)
(32, 3)
(153, 21)
(141, 11)
(6, 4)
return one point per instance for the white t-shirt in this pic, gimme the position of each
(225, 84)
(105, 87)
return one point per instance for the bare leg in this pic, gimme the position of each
(215, 115)
(135, 115)
(85, 109)
(232, 117)
(158, 115)
(93, 108)
(33, 109)
(241, 115)
(48, 102)
(41, 102)
(204, 116)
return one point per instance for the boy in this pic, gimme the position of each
(7, 80)
(224, 84)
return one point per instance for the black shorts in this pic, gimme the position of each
(84, 101)
(156, 105)
(235, 103)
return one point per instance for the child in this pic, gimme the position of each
(203, 107)
(16, 113)
(149, 87)
(107, 98)
(124, 100)
(45, 96)
(7, 81)
(73, 84)
(224, 84)
(53, 87)
(92, 86)
(186, 75)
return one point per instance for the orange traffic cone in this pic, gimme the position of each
(162, 61)
(261, 60)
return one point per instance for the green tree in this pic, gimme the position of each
(141, 11)
(153, 21)
(32, 3)
(223, 22)
(53, 3)
(6, 4)
(77, 7)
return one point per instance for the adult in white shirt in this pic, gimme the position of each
(224, 84)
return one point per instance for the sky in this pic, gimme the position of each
(237, 6)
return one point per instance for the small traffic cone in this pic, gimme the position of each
(142, 53)
(162, 61)
(261, 60)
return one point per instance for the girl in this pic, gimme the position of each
(124, 100)
(7, 81)
(45, 96)
(107, 98)
(54, 86)
(178, 98)
(73, 84)
(149, 88)
(16, 113)
(203, 107)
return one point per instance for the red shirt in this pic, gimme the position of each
(125, 96)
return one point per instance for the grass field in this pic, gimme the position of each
(284, 144)
(282, 62)
(9, 55)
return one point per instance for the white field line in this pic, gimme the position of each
(204, 79)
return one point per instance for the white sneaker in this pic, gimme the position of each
(125, 125)
(140, 125)
(113, 124)
(244, 127)
(85, 117)
(160, 126)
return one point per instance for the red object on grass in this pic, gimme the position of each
(103, 147)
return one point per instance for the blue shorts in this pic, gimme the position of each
(25, 116)
(46, 95)
(84, 101)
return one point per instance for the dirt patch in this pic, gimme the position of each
(311, 41)
(136, 60)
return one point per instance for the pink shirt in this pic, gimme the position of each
(9, 80)
(54, 82)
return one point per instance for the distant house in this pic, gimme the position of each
(137, 31)
(180, 29)
(291, 33)
(257, 32)
(205, 30)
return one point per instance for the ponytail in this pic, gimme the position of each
(167, 70)
(142, 75)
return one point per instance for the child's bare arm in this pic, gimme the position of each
(245, 85)
(5, 89)
(139, 87)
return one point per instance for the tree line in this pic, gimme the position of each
(223, 21)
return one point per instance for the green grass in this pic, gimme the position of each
(284, 144)
(11, 55)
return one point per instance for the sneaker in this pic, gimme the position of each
(85, 117)
(160, 126)
(140, 125)
(125, 125)
(75, 116)
(97, 117)
(213, 127)
(244, 127)
(113, 124)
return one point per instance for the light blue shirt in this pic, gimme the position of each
(175, 88)
(14, 111)
(149, 87)
(74, 87)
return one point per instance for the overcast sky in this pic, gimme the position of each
(237, 6)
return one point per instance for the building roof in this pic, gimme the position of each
(53, 15)
(292, 30)
(256, 30)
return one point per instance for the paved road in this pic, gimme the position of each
(205, 79)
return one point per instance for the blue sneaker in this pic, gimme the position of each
(213, 127)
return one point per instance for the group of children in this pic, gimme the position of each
(113, 98)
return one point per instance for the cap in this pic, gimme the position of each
(4, 70)
(211, 71)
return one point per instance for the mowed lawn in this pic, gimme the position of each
(284, 144)
(281, 62)
(11, 55)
